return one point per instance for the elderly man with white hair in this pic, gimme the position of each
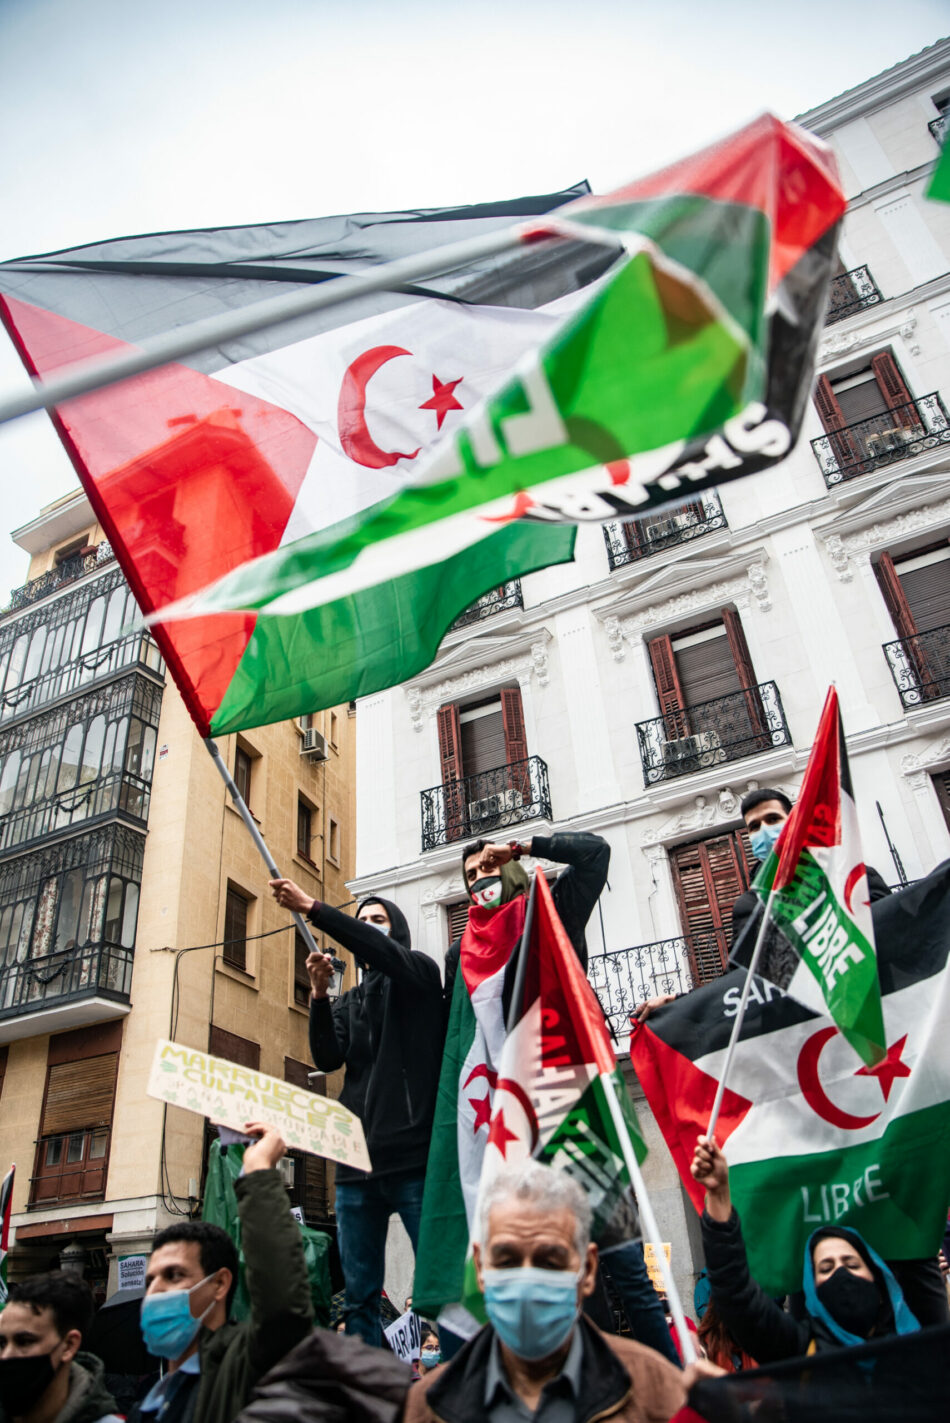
(538, 1357)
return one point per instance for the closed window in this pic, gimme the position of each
(708, 877)
(234, 949)
(242, 775)
(304, 828)
(333, 841)
(73, 1144)
(301, 976)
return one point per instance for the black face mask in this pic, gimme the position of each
(23, 1380)
(852, 1302)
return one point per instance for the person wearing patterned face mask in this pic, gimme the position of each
(538, 1354)
(44, 1378)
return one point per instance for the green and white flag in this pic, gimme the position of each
(6, 1208)
(819, 942)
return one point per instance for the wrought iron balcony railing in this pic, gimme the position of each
(920, 666)
(938, 127)
(850, 292)
(497, 600)
(94, 971)
(625, 977)
(66, 572)
(480, 805)
(727, 729)
(136, 650)
(882, 439)
(681, 523)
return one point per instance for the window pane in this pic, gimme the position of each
(34, 659)
(74, 1150)
(93, 631)
(92, 751)
(242, 775)
(8, 780)
(97, 1146)
(303, 829)
(113, 911)
(149, 740)
(84, 933)
(17, 662)
(67, 926)
(54, 1151)
(130, 915)
(69, 766)
(133, 754)
(115, 617)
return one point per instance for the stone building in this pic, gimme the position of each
(134, 906)
(641, 690)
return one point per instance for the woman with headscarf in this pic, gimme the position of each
(388, 1033)
(850, 1294)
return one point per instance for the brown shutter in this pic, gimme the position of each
(457, 916)
(893, 388)
(450, 743)
(298, 1075)
(234, 1049)
(512, 716)
(668, 689)
(832, 418)
(80, 1094)
(894, 597)
(709, 876)
(746, 673)
(927, 591)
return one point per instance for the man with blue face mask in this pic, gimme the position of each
(539, 1357)
(213, 1363)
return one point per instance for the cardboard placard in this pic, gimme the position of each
(653, 1268)
(404, 1336)
(132, 1272)
(233, 1095)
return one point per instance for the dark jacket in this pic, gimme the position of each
(760, 1326)
(748, 904)
(576, 890)
(619, 1379)
(388, 1032)
(329, 1378)
(235, 1356)
(88, 1399)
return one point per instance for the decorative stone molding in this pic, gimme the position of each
(835, 344)
(444, 891)
(917, 766)
(759, 583)
(615, 638)
(703, 814)
(532, 662)
(728, 803)
(630, 630)
(909, 333)
(841, 551)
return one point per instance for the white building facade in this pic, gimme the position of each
(641, 690)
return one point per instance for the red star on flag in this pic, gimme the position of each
(442, 399)
(482, 1107)
(888, 1068)
(499, 1135)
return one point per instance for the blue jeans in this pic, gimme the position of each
(627, 1270)
(363, 1209)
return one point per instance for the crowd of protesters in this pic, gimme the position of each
(540, 1355)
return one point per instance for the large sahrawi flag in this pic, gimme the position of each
(540, 1092)
(694, 353)
(820, 939)
(813, 1136)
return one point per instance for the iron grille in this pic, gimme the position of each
(850, 292)
(497, 600)
(54, 578)
(629, 541)
(882, 439)
(920, 666)
(477, 805)
(710, 733)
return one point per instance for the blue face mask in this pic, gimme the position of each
(533, 1311)
(168, 1325)
(763, 840)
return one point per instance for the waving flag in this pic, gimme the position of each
(814, 886)
(6, 1207)
(392, 469)
(540, 1092)
(813, 1137)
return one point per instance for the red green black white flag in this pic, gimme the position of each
(6, 1207)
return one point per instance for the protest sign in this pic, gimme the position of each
(405, 1337)
(233, 1095)
(132, 1272)
(652, 1264)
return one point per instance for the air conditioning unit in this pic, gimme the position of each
(689, 749)
(314, 745)
(494, 807)
(662, 529)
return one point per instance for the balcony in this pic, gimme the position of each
(681, 523)
(850, 292)
(882, 439)
(920, 666)
(67, 989)
(497, 600)
(479, 805)
(66, 572)
(729, 728)
(938, 127)
(626, 977)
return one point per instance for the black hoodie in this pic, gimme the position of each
(388, 1032)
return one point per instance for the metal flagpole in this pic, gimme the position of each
(651, 1229)
(521, 968)
(257, 837)
(740, 1014)
(88, 376)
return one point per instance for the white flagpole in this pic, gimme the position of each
(740, 1014)
(87, 376)
(651, 1230)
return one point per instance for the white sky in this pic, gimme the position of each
(119, 118)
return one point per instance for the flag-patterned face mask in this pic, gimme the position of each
(486, 893)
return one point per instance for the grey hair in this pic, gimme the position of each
(545, 1189)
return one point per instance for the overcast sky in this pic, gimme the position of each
(119, 118)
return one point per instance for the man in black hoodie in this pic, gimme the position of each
(388, 1032)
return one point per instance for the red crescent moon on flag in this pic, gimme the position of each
(358, 444)
(813, 1092)
(855, 877)
(515, 1089)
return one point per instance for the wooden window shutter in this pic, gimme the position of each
(892, 385)
(927, 590)
(668, 689)
(450, 743)
(826, 403)
(234, 1049)
(457, 916)
(709, 876)
(746, 673)
(512, 716)
(80, 1095)
(894, 597)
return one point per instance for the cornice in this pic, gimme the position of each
(920, 70)
(887, 187)
(902, 322)
(918, 767)
(524, 657)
